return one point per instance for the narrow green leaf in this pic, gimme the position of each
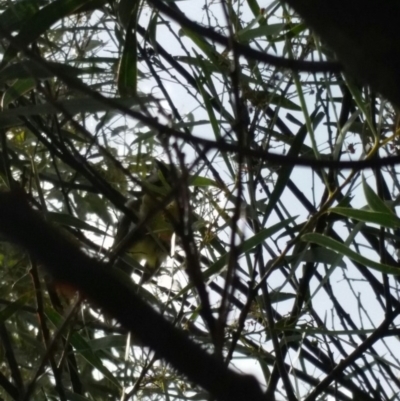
(152, 29)
(344, 250)
(127, 71)
(31, 69)
(83, 348)
(374, 201)
(388, 220)
(279, 296)
(19, 88)
(261, 236)
(191, 124)
(197, 181)
(265, 30)
(108, 342)
(10, 118)
(43, 19)
(209, 108)
(286, 171)
(283, 101)
(219, 60)
(338, 259)
(322, 255)
(18, 13)
(261, 98)
(377, 232)
(247, 246)
(254, 7)
(15, 306)
(72, 221)
(125, 9)
(204, 64)
(200, 42)
(292, 33)
(210, 111)
(71, 106)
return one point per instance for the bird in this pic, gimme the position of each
(151, 244)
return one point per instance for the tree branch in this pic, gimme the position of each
(109, 290)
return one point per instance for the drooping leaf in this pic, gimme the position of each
(30, 69)
(17, 89)
(264, 30)
(388, 220)
(71, 106)
(72, 221)
(127, 71)
(374, 202)
(336, 246)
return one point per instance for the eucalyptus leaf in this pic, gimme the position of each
(388, 220)
(336, 246)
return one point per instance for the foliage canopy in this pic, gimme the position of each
(285, 264)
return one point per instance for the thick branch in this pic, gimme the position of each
(107, 289)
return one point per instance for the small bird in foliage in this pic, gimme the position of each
(152, 243)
